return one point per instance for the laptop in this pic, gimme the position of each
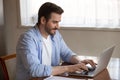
(103, 61)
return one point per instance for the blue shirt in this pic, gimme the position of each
(29, 54)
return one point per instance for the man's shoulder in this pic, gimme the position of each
(32, 32)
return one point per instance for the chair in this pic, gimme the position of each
(8, 63)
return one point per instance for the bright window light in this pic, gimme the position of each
(77, 13)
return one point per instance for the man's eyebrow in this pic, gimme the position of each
(55, 21)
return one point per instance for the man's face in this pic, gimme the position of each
(52, 24)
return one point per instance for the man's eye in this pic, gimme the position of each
(55, 22)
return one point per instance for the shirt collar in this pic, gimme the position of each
(39, 34)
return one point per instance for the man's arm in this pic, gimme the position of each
(75, 60)
(68, 68)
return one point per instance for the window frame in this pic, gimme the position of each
(63, 27)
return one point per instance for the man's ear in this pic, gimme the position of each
(43, 20)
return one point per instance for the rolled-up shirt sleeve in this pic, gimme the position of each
(28, 52)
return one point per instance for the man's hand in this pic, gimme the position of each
(76, 60)
(89, 61)
(77, 67)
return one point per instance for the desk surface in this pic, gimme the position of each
(112, 72)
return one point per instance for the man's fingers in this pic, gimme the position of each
(83, 66)
(91, 62)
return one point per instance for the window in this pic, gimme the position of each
(77, 13)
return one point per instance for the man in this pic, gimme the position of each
(40, 49)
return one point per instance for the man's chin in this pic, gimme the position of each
(52, 33)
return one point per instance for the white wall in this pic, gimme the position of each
(80, 41)
(91, 42)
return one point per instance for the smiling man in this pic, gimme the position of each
(40, 49)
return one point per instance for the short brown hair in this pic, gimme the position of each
(47, 8)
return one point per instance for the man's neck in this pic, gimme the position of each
(45, 36)
(42, 31)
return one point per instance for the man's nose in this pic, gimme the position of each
(57, 26)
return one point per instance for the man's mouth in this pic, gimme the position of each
(55, 28)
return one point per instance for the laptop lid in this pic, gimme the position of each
(103, 61)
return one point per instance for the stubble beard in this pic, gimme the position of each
(49, 31)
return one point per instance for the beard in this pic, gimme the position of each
(50, 31)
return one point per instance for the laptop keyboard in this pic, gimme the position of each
(90, 69)
(84, 72)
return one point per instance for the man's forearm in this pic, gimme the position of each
(74, 59)
(59, 70)
(62, 69)
(68, 68)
